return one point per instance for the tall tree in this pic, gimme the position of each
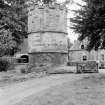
(13, 23)
(89, 23)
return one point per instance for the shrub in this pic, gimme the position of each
(4, 65)
(23, 70)
(68, 64)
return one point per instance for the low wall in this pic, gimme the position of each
(86, 66)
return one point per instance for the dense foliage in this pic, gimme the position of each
(89, 22)
(4, 65)
(13, 25)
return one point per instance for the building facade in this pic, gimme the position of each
(79, 53)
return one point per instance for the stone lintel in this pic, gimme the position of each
(62, 52)
(48, 32)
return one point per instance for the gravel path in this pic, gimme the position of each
(64, 89)
(12, 94)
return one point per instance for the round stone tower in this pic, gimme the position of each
(47, 39)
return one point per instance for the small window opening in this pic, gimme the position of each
(82, 46)
(84, 58)
(102, 57)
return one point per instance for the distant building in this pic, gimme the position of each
(78, 52)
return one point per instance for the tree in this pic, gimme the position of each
(89, 22)
(13, 25)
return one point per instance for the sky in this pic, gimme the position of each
(73, 36)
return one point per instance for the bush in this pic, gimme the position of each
(68, 64)
(23, 70)
(4, 65)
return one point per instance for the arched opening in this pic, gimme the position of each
(24, 58)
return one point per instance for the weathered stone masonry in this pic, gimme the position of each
(47, 40)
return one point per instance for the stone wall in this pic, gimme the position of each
(47, 39)
(47, 42)
(77, 55)
(43, 18)
(48, 29)
(47, 59)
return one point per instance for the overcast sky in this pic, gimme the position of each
(73, 36)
